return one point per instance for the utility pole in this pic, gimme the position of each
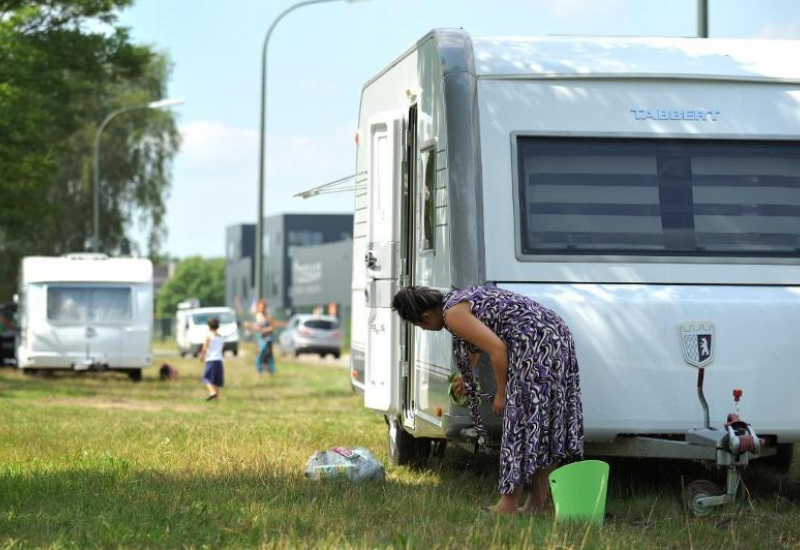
(702, 18)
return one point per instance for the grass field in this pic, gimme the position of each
(98, 461)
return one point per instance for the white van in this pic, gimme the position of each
(647, 190)
(191, 329)
(85, 311)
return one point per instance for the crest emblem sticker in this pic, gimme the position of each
(698, 342)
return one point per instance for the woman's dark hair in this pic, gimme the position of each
(213, 323)
(412, 301)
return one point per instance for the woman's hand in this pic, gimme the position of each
(459, 387)
(499, 402)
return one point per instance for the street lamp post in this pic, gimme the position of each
(702, 18)
(162, 104)
(259, 271)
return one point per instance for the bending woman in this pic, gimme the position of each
(536, 370)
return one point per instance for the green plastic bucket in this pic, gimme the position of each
(579, 491)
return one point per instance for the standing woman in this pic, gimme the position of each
(536, 370)
(264, 328)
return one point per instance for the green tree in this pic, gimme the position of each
(64, 65)
(194, 277)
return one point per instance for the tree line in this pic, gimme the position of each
(64, 66)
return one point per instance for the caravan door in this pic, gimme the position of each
(382, 371)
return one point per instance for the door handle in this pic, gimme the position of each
(370, 260)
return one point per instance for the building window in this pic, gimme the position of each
(305, 238)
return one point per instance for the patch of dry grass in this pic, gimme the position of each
(98, 461)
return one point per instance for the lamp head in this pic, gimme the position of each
(165, 103)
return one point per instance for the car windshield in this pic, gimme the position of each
(323, 324)
(224, 317)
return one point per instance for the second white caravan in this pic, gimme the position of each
(648, 190)
(86, 311)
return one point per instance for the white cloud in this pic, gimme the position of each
(215, 180)
(788, 29)
(209, 142)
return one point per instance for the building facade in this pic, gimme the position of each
(322, 275)
(240, 248)
(307, 263)
(286, 234)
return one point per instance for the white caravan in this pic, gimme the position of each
(648, 190)
(86, 311)
(191, 328)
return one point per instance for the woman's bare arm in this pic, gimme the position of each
(464, 324)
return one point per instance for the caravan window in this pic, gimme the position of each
(659, 197)
(80, 304)
(428, 198)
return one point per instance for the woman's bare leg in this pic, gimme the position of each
(507, 503)
(539, 501)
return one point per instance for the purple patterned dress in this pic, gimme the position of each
(543, 420)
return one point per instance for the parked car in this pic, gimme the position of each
(191, 329)
(311, 334)
(9, 330)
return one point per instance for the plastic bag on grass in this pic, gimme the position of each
(356, 464)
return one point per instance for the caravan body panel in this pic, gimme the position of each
(633, 375)
(85, 311)
(635, 378)
(722, 119)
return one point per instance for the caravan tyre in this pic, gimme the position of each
(405, 449)
(135, 375)
(697, 490)
(401, 444)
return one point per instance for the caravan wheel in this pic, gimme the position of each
(405, 449)
(135, 375)
(698, 489)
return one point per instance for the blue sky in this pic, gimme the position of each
(319, 56)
